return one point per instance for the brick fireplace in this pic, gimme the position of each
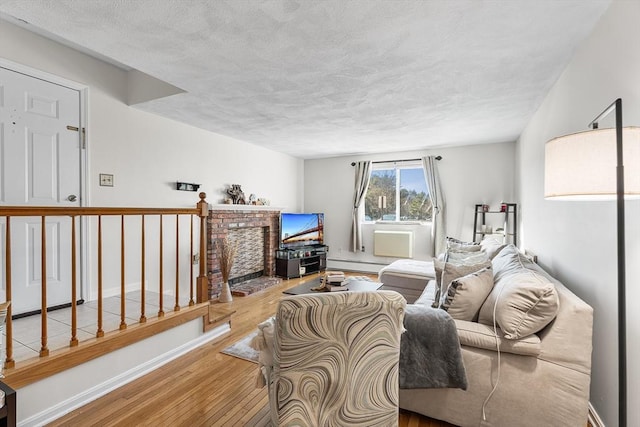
(247, 227)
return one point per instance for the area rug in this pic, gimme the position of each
(241, 349)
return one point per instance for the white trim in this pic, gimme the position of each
(99, 390)
(594, 419)
(42, 75)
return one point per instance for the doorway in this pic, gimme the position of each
(42, 157)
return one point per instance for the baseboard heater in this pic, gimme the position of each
(397, 244)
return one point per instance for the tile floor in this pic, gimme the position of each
(27, 330)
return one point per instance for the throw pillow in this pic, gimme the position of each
(453, 243)
(465, 295)
(524, 303)
(491, 246)
(448, 271)
(457, 257)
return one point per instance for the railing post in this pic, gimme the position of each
(9, 362)
(143, 274)
(123, 307)
(191, 301)
(176, 307)
(44, 350)
(74, 319)
(161, 265)
(203, 281)
(100, 331)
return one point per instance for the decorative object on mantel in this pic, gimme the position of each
(263, 202)
(187, 186)
(236, 194)
(226, 254)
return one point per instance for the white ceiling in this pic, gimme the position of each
(321, 78)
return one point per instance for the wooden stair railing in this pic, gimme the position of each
(201, 293)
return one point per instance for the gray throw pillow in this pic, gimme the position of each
(464, 296)
(453, 243)
(459, 258)
(446, 272)
(491, 246)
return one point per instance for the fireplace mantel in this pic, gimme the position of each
(232, 207)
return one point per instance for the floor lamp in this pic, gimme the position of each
(581, 166)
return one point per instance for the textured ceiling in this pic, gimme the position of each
(334, 77)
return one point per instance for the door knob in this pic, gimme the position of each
(72, 198)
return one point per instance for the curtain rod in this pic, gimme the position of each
(398, 161)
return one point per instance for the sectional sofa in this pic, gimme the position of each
(526, 350)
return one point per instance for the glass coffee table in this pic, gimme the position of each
(357, 285)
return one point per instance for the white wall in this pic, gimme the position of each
(147, 154)
(469, 175)
(576, 241)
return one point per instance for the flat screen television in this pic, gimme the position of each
(301, 229)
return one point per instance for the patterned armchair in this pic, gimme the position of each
(335, 359)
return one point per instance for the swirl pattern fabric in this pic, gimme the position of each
(336, 359)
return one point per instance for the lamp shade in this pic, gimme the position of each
(582, 166)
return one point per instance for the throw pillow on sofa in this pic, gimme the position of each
(464, 296)
(525, 302)
(446, 272)
(460, 245)
(459, 258)
(491, 246)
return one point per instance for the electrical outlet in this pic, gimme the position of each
(196, 259)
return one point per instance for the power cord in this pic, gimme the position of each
(495, 334)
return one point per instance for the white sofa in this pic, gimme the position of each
(541, 379)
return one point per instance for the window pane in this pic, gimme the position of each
(414, 197)
(380, 202)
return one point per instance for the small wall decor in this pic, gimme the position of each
(187, 186)
(236, 194)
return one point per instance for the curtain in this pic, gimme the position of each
(363, 176)
(429, 164)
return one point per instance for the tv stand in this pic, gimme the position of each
(301, 261)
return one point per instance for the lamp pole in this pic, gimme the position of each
(622, 323)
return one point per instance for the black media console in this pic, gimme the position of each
(301, 261)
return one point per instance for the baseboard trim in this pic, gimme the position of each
(100, 390)
(354, 266)
(594, 419)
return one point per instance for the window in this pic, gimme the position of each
(397, 193)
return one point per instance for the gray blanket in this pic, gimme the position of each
(430, 355)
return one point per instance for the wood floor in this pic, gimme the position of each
(204, 387)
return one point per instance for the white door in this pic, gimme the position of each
(39, 166)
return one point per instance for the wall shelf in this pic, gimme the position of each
(509, 230)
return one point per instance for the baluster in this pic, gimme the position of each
(9, 362)
(143, 318)
(203, 281)
(100, 332)
(74, 319)
(44, 351)
(123, 324)
(161, 309)
(176, 307)
(191, 302)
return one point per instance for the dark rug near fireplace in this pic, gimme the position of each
(254, 285)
